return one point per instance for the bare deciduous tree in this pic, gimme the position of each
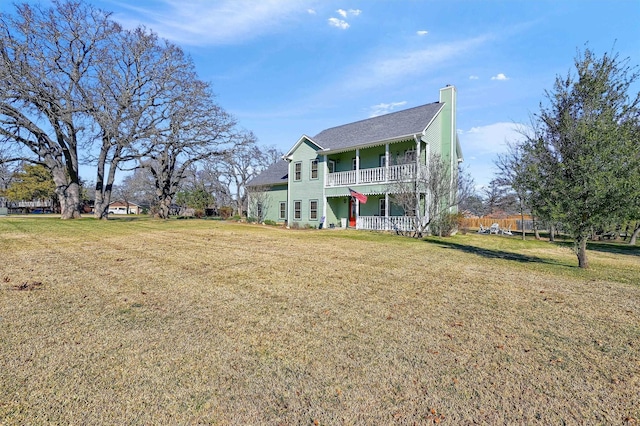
(428, 197)
(258, 201)
(45, 56)
(137, 83)
(196, 129)
(237, 167)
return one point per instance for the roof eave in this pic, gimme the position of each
(371, 144)
(297, 144)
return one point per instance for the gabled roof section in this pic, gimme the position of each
(300, 141)
(277, 173)
(384, 127)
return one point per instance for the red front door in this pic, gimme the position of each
(352, 212)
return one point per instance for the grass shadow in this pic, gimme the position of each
(495, 254)
(606, 247)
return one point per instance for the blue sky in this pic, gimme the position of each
(285, 68)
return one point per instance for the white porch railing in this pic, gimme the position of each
(397, 173)
(341, 178)
(381, 223)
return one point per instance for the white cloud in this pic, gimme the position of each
(473, 77)
(383, 108)
(482, 144)
(311, 11)
(338, 23)
(341, 23)
(490, 139)
(500, 76)
(422, 32)
(202, 22)
(386, 68)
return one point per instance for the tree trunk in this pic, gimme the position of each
(552, 232)
(634, 236)
(535, 229)
(524, 235)
(101, 205)
(581, 252)
(68, 194)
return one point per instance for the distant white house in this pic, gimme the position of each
(121, 207)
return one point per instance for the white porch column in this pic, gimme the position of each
(357, 165)
(324, 195)
(418, 177)
(386, 162)
(386, 211)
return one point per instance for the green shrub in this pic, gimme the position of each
(251, 219)
(270, 222)
(236, 217)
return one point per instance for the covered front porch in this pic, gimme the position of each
(377, 214)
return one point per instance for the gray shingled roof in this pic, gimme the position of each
(274, 174)
(384, 127)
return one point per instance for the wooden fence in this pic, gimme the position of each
(474, 223)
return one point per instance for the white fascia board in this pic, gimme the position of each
(424, 131)
(300, 141)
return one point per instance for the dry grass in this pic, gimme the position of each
(198, 322)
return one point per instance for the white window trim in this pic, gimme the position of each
(294, 210)
(311, 170)
(311, 210)
(295, 172)
(282, 213)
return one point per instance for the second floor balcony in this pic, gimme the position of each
(395, 173)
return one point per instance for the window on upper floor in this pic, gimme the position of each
(410, 156)
(353, 163)
(331, 164)
(314, 169)
(297, 170)
(383, 160)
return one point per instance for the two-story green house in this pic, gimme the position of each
(312, 185)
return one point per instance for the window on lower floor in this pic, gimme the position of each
(260, 211)
(297, 210)
(313, 209)
(283, 210)
(383, 207)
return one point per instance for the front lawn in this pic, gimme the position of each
(140, 321)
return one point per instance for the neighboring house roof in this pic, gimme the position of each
(395, 125)
(274, 174)
(123, 203)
